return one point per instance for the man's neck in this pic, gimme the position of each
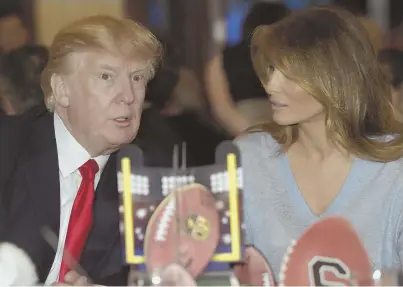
(93, 149)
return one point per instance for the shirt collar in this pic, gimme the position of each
(70, 153)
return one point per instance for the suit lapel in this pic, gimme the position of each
(44, 175)
(44, 180)
(46, 186)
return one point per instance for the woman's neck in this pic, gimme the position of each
(314, 142)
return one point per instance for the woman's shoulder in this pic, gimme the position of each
(257, 143)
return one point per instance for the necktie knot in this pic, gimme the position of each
(89, 169)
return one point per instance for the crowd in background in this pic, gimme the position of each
(328, 88)
(177, 109)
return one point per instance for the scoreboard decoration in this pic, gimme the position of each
(142, 189)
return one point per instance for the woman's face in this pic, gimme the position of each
(290, 103)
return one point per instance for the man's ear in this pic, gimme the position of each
(60, 90)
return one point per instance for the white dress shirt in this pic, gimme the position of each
(71, 156)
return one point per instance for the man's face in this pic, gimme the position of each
(12, 33)
(105, 95)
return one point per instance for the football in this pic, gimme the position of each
(328, 253)
(184, 229)
(254, 270)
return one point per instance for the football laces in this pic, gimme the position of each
(166, 218)
(284, 265)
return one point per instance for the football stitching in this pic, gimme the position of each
(286, 258)
(163, 224)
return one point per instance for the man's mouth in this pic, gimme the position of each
(123, 121)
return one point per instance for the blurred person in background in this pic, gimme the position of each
(20, 72)
(396, 39)
(13, 33)
(177, 80)
(21, 101)
(235, 93)
(392, 59)
(156, 138)
(359, 9)
(175, 112)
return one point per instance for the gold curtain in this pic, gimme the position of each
(51, 15)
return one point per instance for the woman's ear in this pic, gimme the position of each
(60, 91)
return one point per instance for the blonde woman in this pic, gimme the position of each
(334, 147)
(235, 94)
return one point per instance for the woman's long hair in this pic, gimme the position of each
(328, 53)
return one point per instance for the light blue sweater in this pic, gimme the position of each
(276, 213)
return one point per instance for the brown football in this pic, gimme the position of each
(184, 229)
(328, 253)
(254, 270)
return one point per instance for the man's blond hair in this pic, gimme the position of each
(124, 37)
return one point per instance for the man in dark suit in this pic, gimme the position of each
(94, 84)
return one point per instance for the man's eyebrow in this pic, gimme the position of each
(114, 69)
(108, 67)
(142, 70)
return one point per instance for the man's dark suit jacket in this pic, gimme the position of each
(12, 131)
(32, 201)
(10, 137)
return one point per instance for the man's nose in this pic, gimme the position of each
(128, 93)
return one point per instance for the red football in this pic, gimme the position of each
(254, 270)
(184, 229)
(176, 275)
(328, 253)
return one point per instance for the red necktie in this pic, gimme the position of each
(80, 218)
